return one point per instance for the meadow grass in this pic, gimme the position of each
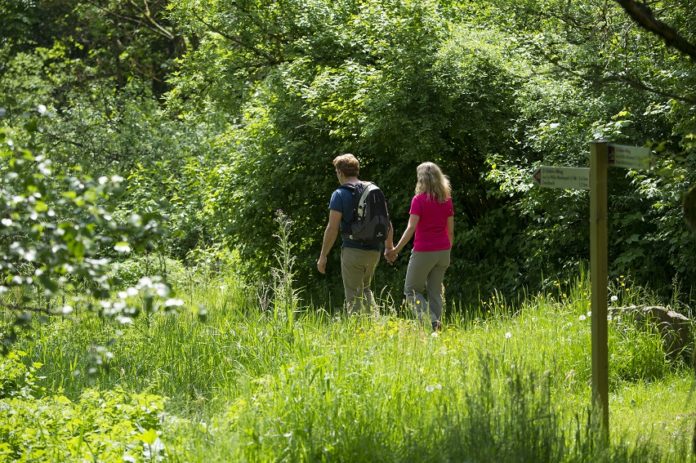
(247, 385)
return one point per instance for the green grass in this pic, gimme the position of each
(248, 386)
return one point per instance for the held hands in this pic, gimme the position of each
(391, 254)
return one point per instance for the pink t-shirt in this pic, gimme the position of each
(431, 231)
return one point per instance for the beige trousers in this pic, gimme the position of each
(357, 268)
(426, 273)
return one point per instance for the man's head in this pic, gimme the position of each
(347, 165)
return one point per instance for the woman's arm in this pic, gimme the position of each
(408, 233)
(450, 229)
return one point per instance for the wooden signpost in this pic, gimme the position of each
(599, 160)
(576, 178)
(602, 155)
(630, 157)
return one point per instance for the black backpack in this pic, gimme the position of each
(370, 222)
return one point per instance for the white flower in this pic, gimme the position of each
(508, 335)
(122, 247)
(582, 317)
(162, 290)
(124, 320)
(66, 310)
(7, 222)
(589, 313)
(41, 109)
(432, 387)
(173, 303)
(614, 298)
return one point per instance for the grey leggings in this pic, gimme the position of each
(425, 273)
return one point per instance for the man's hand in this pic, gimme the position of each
(321, 264)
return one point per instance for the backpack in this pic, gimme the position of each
(370, 222)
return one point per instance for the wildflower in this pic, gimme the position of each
(173, 303)
(433, 387)
(582, 317)
(122, 247)
(508, 335)
(614, 298)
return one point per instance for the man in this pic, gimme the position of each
(358, 259)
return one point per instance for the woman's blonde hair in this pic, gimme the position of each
(433, 182)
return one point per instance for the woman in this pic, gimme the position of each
(432, 221)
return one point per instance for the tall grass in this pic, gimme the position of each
(295, 384)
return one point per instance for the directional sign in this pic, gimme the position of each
(576, 178)
(629, 157)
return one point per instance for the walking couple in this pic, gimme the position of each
(431, 220)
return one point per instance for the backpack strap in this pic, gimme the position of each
(356, 189)
(360, 206)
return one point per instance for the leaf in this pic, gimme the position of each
(148, 436)
(41, 206)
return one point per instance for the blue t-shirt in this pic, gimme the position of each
(342, 201)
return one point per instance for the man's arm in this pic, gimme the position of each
(330, 234)
(389, 242)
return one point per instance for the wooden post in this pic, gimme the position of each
(599, 156)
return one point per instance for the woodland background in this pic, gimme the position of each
(165, 172)
(218, 113)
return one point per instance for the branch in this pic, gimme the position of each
(26, 309)
(643, 15)
(588, 74)
(158, 27)
(270, 60)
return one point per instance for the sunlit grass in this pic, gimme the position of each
(511, 386)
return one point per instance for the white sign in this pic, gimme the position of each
(575, 178)
(629, 157)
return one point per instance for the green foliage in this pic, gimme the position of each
(55, 227)
(636, 352)
(285, 297)
(109, 426)
(356, 389)
(58, 240)
(16, 378)
(220, 112)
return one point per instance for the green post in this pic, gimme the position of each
(599, 158)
